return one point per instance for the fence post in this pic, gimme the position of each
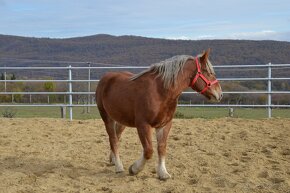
(231, 112)
(70, 92)
(89, 88)
(5, 84)
(269, 91)
(63, 112)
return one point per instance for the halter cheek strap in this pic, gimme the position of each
(200, 75)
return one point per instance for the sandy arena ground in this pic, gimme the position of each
(219, 155)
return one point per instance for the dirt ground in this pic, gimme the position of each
(218, 155)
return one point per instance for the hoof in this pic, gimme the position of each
(164, 177)
(119, 171)
(131, 171)
(110, 164)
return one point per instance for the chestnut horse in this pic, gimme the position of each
(148, 100)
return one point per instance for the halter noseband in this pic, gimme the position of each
(200, 75)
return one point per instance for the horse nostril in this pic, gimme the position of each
(221, 96)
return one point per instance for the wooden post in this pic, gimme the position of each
(231, 112)
(63, 112)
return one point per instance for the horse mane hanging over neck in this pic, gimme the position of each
(168, 69)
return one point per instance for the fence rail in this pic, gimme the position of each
(70, 82)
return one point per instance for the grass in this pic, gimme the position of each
(217, 112)
(52, 112)
(182, 112)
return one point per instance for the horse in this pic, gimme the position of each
(148, 100)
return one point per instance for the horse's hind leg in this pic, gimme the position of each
(111, 127)
(161, 135)
(145, 135)
(119, 130)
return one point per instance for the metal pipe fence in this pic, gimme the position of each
(70, 80)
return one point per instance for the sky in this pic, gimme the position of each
(170, 19)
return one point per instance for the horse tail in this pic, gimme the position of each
(99, 100)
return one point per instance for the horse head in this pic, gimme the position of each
(204, 80)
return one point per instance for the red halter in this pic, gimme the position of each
(200, 75)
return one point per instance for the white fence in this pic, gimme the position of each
(71, 80)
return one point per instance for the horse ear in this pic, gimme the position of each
(204, 57)
(205, 54)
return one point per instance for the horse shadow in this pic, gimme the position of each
(42, 167)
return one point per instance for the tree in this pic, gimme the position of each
(49, 87)
(17, 87)
(13, 77)
(2, 77)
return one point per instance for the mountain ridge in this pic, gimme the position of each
(137, 50)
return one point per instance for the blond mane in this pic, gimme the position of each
(169, 69)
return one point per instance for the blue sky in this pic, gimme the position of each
(177, 19)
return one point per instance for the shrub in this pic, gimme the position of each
(179, 115)
(9, 113)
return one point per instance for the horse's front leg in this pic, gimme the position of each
(145, 135)
(161, 135)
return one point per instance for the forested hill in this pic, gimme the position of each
(134, 50)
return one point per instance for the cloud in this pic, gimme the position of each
(265, 34)
(178, 38)
(202, 37)
(261, 35)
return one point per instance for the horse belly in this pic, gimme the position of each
(120, 108)
(123, 117)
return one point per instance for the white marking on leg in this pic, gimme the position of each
(161, 169)
(118, 163)
(112, 158)
(139, 164)
(116, 158)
